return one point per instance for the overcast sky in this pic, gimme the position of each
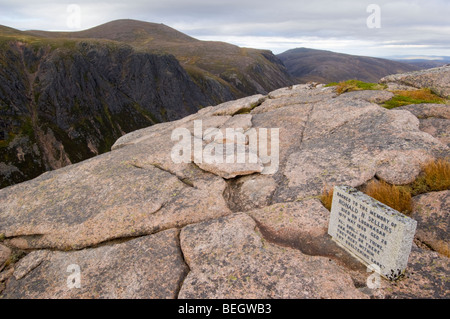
(404, 27)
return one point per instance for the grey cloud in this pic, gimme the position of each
(412, 22)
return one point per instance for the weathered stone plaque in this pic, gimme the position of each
(371, 231)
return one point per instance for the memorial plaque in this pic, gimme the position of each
(371, 231)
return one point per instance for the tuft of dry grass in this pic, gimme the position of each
(435, 177)
(393, 196)
(327, 197)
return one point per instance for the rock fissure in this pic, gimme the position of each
(180, 285)
(186, 181)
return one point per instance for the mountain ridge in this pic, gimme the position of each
(65, 97)
(326, 66)
(67, 101)
(119, 30)
(235, 67)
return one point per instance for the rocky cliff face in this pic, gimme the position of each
(67, 97)
(65, 102)
(233, 71)
(325, 66)
(137, 224)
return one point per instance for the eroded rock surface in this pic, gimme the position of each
(251, 230)
(229, 259)
(427, 277)
(5, 252)
(434, 119)
(433, 223)
(148, 267)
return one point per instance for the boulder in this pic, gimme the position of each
(243, 105)
(436, 79)
(114, 195)
(228, 258)
(434, 119)
(149, 267)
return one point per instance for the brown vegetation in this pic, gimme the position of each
(420, 96)
(396, 197)
(435, 176)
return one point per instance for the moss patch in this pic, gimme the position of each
(421, 96)
(355, 85)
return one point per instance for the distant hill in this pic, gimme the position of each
(241, 71)
(326, 66)
(424, 62)
(130, 31)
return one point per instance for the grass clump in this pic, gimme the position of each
(420, 96)
(396, 197)
(355, 85)
(435, 177)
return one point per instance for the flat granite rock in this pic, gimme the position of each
(374, 96)
(243, 105)
(147, 267)
(229, 259)
(350, 143)
(236, 168)
(277, 248)
(428, 110)
(301, 94)
(294, 222)
(114, 195)
(300, 91)
(434, 119)
(433, 223)
(302, 225)
(249, 192)
(438, 128)
(427, 277)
